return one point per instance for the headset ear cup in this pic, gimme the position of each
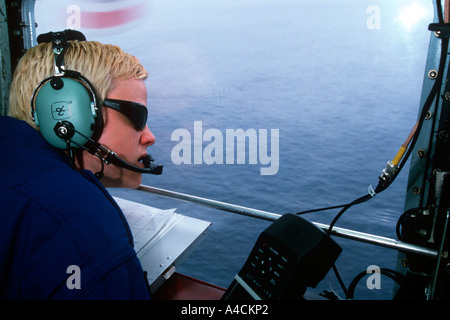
(65, 99)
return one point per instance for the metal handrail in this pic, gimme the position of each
(336, 231)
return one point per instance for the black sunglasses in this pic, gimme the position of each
(136, 112)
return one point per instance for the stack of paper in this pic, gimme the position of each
(147, 224)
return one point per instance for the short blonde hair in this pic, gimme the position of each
(102, 64)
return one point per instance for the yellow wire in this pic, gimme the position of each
(399, 155)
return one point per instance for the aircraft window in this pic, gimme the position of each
(321, 94)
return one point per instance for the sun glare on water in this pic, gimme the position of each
(411, 15)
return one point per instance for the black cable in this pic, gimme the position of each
(431, 96)
(323, 209)
(439, 11)
(70, 154)
(394, 275)
(100, 174)
(341, 283)
(381, 187)
(357, 201)
(427, 104)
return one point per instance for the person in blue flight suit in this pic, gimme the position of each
(62, 236)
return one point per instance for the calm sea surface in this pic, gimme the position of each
(340, 80)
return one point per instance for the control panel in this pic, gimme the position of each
(290, 255)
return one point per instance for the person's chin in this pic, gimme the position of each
(132, 181)
(129, 180)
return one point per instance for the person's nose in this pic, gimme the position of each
(147, 137)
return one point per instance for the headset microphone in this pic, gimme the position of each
(149, 165)
(65, 131)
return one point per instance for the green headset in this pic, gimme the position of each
(66, 109)
(65, 105)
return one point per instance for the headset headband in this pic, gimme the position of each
(59, 40)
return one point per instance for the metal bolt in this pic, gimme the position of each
(416, 190)
(421, 153)
(62, 131)
(443, 135)
(447, 96)
(432, 74)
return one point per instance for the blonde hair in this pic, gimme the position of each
(102, 64)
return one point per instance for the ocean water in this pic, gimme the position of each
(339, 80)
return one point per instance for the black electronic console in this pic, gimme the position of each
(289, 256)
